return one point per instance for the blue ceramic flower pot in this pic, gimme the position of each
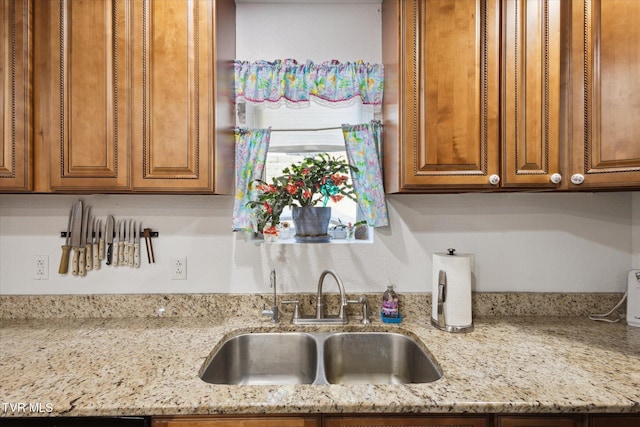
(312, 223)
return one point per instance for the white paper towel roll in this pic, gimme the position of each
(457, 304)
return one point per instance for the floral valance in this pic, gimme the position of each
(286, 81)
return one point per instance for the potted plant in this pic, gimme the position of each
(302, 186)
(345, 231)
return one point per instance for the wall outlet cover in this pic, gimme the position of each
(41, 267)
(179, 268)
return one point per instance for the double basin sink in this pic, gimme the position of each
(320, 358)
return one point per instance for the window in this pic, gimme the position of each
(297, 133)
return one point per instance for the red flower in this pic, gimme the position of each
(270, 230)
(292, 188)
(306, 193)
(338, 179)
(267, 188)
(336, 198)
(305, 171)
(268, 207)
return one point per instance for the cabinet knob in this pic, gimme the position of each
(494, 179)
(577, 179)
(556, 178)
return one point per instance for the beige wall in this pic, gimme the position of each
(522, 242)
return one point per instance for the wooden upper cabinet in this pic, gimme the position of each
(88, 111)
(441, 93)
(141, 95)
(531, 89)
(16, 148)
(606, 93)
(173, 95)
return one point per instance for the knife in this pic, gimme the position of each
(116, 243)
(89, 244)
(136, 246)
(132, 229)
(100, 241)
(122, 228)
(76, 231)
(94, 239)
(83, 241)
(127, 238)
(66, 248)
(109, 237)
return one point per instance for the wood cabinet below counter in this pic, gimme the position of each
(238, 421)
(402, 420)
(407, 421)
(539, 421)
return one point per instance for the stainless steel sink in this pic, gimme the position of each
(320, 358)
(376, 358)
(266, 358)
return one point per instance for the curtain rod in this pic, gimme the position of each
(306, 129)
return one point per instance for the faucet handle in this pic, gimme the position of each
(365, 308)
(296, 308)
(271, 312)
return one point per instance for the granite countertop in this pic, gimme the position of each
(149, 366)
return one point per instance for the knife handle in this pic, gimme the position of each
(121, 253)
(109, 253)
(136, 255)
(75, 261)
(125, 256)
(96, 257)
(131, 255)
(115, 253)
(101, 249)
(81, 261)
(64, 261)
(88, 263)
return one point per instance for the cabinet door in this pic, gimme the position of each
(398, 421)
(87, 128)
(531, 81)
(443, 89)
(16, 171)
(539, 421)
(614, 420)
(605, 138)
(173, 123)
(237, 421)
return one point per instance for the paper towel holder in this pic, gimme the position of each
(441, 322)
(439, 299)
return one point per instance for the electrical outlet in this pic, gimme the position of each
(41, 267)
(179, 268)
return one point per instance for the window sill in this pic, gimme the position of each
(250, 238)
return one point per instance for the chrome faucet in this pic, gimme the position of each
(320, 318)
(273, 312)
(343, 297)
